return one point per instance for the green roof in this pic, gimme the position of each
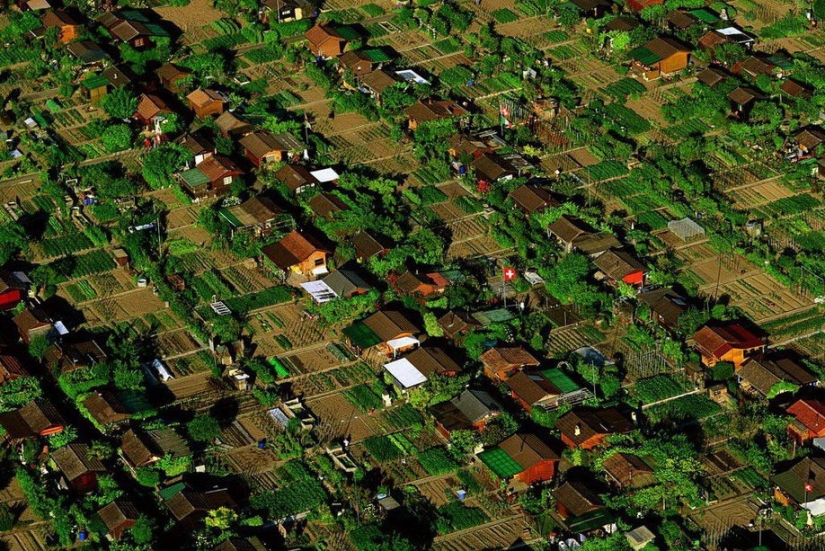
(560, 380)
(94, 81)
(704, 15)
(361, 335)
(644, 56)
(348, 33)
(500, 463)
(156, 30)
(377, 56)
(231, 218)
(498, 315)
(171, 491)
(194, 177)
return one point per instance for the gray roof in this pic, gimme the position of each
(475, 404)
(345, 281)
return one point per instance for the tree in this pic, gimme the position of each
(143, 530)
(463, 441)
(147, 476)
(13, 239)
(431, 325)
(161, 162)
(819, 9)
(120, 104)
(117, 138)
(221, 518)
(128, 377)
(19, 392)
(203, 428)
(498, 429)
(7, 518)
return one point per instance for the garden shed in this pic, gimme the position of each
(686, 229)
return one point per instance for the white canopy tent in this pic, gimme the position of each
(325, 175)
(319, 291)
(405, 373)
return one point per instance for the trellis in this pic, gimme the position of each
(686, 229)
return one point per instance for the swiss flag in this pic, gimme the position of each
(509, 273)
(809, 487)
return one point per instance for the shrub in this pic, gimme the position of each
(203, 428)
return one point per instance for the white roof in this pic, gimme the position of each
(411, 76)
(279, 416)
(402, 342)
(325, 175)
(320, 291)
(61, 329)
(405, 373)
(533, 278)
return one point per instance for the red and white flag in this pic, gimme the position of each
(509, 273)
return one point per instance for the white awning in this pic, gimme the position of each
(405, 373)
(325, 175)
(403, 342)
(320, 291)
(816, 507)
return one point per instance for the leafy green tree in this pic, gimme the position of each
(819, 9)
(147, 476)
(463, 441)
(431, 325)
(13, 239)
(143, 530)
(7, 518)
(498, 429)
(120, 103)
(19, 392)
(127, 377)
(203, 428)
(64, 437)
(161, 163)
(117, 137)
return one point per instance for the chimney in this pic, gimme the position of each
(577, 430)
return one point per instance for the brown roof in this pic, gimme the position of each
(533, 198)
(810, 138)
(292, 249)
(666, 303)
(186, 502)
(528, 450)
(357, 62)
(367, 246)
(261, 209)
(807, 471)
(171, 72)
(454, 323)
(196, 144)
(532, 388)
(390, 324)
(261, 143)
(712, 76)
(794, 89)
(618, 264)
(117, 512)
(492, 167)
(105, 408)
(577, 498)
(218, 167)
(568, 229)
(58, 18)
(203, 97)
(295, 176)
(116, 76)
(433, 360)
(11, 366)
(629, 470)
(319, 34)
(501, 359)
(622, 24)
(138, 449)
(378, 80)
(31, 420)
(763, 372)
(592, 422)
(743, 95)
(681, 19)
(664, 47)
(74, 461)
(409, 283)
(596, 243)
(230, 124)
(150, 106)
(755, 66)
(711, 39)
(327, 205)
(33, 318)
(432, 109)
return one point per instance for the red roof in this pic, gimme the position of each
(718, 341)
(810, 413)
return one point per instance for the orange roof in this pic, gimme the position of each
(718, 341)
(202, 98)
(293, 249)
(150, 106)
(218, 167)
(319, 34)
(810, 413)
